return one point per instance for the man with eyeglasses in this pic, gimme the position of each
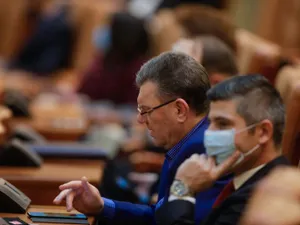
(172, 104)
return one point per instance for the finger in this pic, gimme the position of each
(203, 160)
(71, 185)
(85, 184)
(203, 157)
(69, 200)
(211, 163)
(62, 195)
(195, 157)
(226, 165)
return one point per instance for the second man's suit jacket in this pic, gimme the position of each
(180, 212)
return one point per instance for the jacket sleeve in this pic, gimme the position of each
(177, 212)
(119, 213)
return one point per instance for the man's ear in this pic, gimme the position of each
(182, 110)
(266, 131)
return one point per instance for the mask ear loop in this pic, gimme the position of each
(244, 155)
(247, 128)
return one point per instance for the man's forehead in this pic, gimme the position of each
(223, 109)
(147, 92)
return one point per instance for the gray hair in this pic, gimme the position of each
(177, 75)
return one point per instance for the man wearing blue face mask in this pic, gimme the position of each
(244, 137)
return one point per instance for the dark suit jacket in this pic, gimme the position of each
(180, 212)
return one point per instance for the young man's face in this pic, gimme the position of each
(223, 116)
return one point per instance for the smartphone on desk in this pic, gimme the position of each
(57, 215)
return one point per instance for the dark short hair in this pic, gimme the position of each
(177, 75)
(129, 36)
(217, 56)
(256, 99)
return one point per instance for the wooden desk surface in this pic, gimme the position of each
(36, 208)
(41, 184)
(57, 120)
(49, 129)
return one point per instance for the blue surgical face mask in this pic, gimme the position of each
(220, 144)
(102, 38)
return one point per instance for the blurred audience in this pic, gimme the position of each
(125, 34)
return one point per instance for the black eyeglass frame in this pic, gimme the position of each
(156, 107)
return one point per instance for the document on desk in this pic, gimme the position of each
(58, 220)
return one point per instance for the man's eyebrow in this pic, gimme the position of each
(222, 118)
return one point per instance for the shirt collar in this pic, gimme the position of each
(239, 180)
(171, 154)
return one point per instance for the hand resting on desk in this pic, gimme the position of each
(82, 196)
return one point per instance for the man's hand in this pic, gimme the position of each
(82, 196)
(199, 172)
(276, 200)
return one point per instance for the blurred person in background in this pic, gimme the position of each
(215, 56)
(50, 46)
(109, 81)
(197, 20)
(191, 21)
(123, 48)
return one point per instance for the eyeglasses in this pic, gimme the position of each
(154, 108)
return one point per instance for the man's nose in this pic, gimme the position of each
(140, 118)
